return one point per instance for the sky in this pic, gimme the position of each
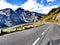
(40, 6)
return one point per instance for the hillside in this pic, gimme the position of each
(53, 16)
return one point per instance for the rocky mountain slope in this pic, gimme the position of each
(53, 16)
(8, 17)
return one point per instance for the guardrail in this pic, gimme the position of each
(13, 27)
(16, 28)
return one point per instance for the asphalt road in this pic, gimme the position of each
(52, 34)
(35, 36)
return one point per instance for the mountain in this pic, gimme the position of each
(7, 11)
(3, 19)
(8, 17)
(21, 13)
(53, 16)
(12, 18)
(27, 15)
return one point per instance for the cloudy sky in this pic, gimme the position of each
(40, 6)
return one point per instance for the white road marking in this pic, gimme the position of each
(36, 41)
(43, 33)
(45, 30)
(39, 37)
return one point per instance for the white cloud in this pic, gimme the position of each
(50, 0)
(4, 4)
(32, 5)
(41, 1)
(2, 0)
(46, 9)
(14, 7)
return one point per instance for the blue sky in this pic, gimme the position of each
(19, 2)
(40, 6)
(16, 2)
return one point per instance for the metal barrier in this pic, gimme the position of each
(13, 28)
(18, 27)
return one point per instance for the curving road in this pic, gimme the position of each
(52, 34)
(35, 36)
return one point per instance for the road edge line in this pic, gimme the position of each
(36, 41)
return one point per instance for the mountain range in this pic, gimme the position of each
(9, 17)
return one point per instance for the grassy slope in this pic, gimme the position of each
(51, 16)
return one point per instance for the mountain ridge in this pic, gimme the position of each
(10, 17)
(53, 16)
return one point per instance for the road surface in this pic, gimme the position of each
(52, 34)
(35, 36)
